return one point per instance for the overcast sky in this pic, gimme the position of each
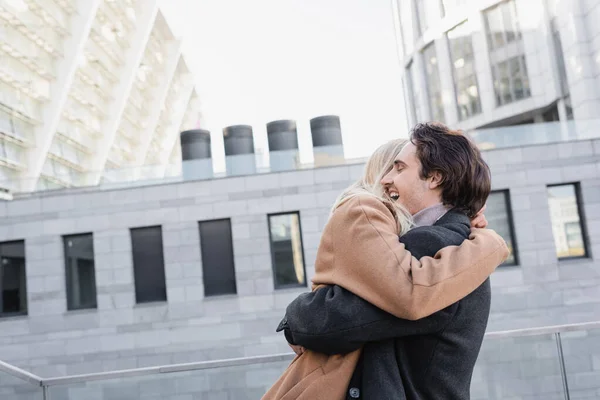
(260, 60)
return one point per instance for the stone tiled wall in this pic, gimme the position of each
(119, 334)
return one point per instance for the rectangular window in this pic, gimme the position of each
(80, 272)
(148, 264)
(499, 216)
(12, 279)
(216, 247)
(566, 215)
(412, 96)
(463, 70)
(509, 69)
(286, 250)
(434, 87)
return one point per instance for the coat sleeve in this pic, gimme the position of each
(370, 262)
(332, 320)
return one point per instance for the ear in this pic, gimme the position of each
(435, 180)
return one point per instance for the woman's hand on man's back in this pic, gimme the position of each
(479, 221)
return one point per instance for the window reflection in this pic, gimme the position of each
(511, 81)
(412, 77)
(286, 250)
(509, 70)
(499, 217)
(80, 271)
(567, 228)
(434, 87)
(464, 72)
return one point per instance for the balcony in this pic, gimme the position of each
(33, 27)
(15, 128)
(15, 44)
(51, 14)
(11, 99)
(554, 362)
(19, 76)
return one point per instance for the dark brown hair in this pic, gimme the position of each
(466, 180)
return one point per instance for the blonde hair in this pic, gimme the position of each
(377, 166)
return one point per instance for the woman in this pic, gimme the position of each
(360, 252)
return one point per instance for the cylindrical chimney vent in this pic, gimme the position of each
(328, 147)
(196, 154)
(239, 150)
(283, 145)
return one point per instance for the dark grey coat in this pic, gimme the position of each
(432, 358)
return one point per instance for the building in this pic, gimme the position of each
(101, 279)
(489, 63)
(89, 88)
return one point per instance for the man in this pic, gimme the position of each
(441, 178)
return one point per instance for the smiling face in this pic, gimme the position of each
(403, 182)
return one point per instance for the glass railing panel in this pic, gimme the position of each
(14, 388)
(518, 368)
(581, 350)
(535, 134)
(245, 382)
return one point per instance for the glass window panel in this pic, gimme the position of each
(510, 73)
(463, 69)
(525, 77)
(80, 271)
(505, 90)
(13, 300)
(508, 22)
(434, 89)
(518, 88)
(515, 66)
(414, 95)
(495, 28)
(499, 216)
(567, 228)
(216, 247)
(148, 264)
(286, 250)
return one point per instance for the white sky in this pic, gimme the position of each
(260, 60)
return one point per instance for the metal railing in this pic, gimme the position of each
(46, 383)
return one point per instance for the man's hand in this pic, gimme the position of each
(479, 220)
(297, 349)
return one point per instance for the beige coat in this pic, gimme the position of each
(360, 251)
